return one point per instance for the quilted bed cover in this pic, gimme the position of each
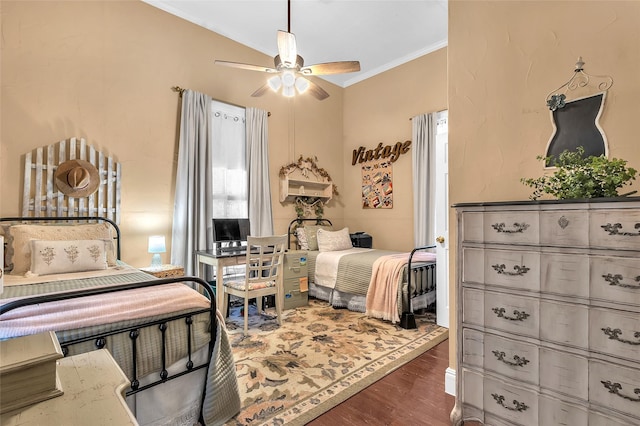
(353, 270)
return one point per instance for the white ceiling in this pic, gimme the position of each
(381, 34)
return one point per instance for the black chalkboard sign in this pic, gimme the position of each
(576, 125)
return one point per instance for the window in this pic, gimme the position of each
(229, 161)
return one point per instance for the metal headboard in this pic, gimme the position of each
(295, 223)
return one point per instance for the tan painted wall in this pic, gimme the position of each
(378, 110)
(504, 58)
(103, 70)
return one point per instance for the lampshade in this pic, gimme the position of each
(275, 83)
(156, 244)
(302, 84)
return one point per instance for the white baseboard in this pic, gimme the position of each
(450, 381)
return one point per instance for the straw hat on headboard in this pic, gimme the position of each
(77, 178)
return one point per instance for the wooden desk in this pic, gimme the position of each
(93, 386)
(219, 261)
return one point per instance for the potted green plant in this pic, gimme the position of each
(577, 176)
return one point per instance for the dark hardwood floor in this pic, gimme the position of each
(412, 395)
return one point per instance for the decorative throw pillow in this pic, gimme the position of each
(23, 234)
(334, 240)
(312, 235)
(302, 238)
(64, 256)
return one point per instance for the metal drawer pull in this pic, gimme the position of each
(517, 361)
(615, 280)
(517, 227)
(519, 270)
(519, 316)
(617, 387)
(616, 332)
(518, 406)
(616, 227)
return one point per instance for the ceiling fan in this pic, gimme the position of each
(290, 70)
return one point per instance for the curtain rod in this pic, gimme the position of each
(180, 90)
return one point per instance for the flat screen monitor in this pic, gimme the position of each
(230, 232)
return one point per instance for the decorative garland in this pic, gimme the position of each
(307, 165)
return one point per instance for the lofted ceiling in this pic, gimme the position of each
(381, 34)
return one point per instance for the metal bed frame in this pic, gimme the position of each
(427, 269)
(100, 339)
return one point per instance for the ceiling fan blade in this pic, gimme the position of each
(331, 68)
(317, 92)
(246, 66)
(261, 91)
(287, 48)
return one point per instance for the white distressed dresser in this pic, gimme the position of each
(549, 313)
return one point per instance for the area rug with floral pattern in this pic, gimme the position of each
(317, 358)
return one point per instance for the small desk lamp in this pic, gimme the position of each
(156, 246)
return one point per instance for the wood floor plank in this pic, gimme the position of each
(411, 395)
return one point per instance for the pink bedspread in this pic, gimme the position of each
(100, 309)
(386, 275)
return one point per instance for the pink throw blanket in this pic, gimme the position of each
(386, 275)
(100, 309)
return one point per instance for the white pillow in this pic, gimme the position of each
(63, 256)
(23, 234)
(334, 240)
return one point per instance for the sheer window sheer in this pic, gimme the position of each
(230, 195)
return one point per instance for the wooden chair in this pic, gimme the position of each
(263, 276)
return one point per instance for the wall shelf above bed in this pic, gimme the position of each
(291, 187)
(305, 179)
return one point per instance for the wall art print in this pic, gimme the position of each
(377, 185)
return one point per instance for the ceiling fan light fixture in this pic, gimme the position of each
(302, 84)
(288, 78)
(288, 91)
(275, 83)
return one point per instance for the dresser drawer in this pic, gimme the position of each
(617, 229)
(564, 323)
(510, 227)
(510, 402)
(616, 333)
(616, 279)
(565, 274)
(565, 373)
(507, 268)
(510, 358)
(515, 314)
(557, 412)
(564, 228)
(614, 386)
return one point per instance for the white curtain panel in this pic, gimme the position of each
(422, 156)
(229, 148)
(260, 215)
(193, 197)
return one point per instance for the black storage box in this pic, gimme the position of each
(361, 239)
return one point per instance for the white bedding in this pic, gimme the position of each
(326, 271)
